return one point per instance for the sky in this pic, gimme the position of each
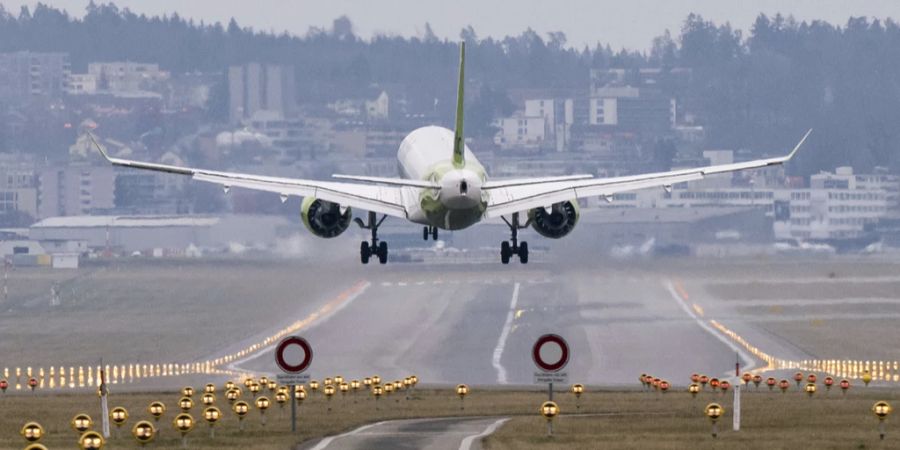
(630, 24)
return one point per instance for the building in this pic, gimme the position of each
(838, 205)
(82, 83)
(75, 190)
(521, 132)
(173, 234)
(559, 116)
(379, 109)
(18, 189)
(29, 76)
(126, 77)
(633, 108)
(254, 87)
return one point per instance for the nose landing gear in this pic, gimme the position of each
(513, 247)
(376, 248)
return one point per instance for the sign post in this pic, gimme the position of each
(104, 406)
(293, 355)
(550, 354)
(736, 416)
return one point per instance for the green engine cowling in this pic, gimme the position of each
(324, 219)
(558, 222)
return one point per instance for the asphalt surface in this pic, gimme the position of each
(419, 434)
(453, 324)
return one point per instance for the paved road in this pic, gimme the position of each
(453, 325)
(419, 434)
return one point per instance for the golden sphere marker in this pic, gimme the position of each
(713, 412)
(549, 410)
(144, 432)
(32, 431)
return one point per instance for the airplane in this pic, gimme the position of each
(443, 186)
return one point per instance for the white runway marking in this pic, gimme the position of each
(819, 302)
(501, 343)
(749, 361)
(324, 443)
(466, 443)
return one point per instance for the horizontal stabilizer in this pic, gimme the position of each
(389, 181)
(495, 184)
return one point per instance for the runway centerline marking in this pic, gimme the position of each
(749, 361)
(501, 343)
(466, 443)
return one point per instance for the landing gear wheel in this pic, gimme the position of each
(382, 252)
(512, 246)
(364, 252)
(376, 248)
(425, 233)
(505, 252)
(434, 233)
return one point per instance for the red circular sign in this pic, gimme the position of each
(287, 343)
(550, 366)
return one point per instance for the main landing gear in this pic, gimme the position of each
(430, 231)
(512, 246)
(378, 249)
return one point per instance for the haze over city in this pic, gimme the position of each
(628, 24)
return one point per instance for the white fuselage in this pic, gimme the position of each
(426, 154)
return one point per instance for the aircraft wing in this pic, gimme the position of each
(512, 198)
(380, 199)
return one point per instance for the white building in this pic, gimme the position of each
(836, 206)
(82, 83)
(379, 109)
(521, 132)
(558, 114)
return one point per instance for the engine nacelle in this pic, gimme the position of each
(324, 219)
(558, 222)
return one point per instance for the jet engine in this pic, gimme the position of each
(557, 222)
(324, 219)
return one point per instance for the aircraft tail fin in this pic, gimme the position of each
(459, 145)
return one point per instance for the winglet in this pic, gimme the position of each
(459, 146)
(99, 148)
(797, 147)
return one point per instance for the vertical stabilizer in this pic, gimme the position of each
(459, 146)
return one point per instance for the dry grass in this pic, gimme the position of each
(610, 419)
(142, 313)
(769, 420)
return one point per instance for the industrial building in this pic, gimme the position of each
(166, 234)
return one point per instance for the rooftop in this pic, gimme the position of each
(125, 221)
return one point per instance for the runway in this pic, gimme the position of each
(455, 325)
(424, 434)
